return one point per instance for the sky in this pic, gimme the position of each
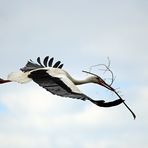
(80, 33)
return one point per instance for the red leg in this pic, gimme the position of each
(4, 81)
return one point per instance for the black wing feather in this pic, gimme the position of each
(60, 66)
(50, 62)
(46, 60)
(56, 64)
(39, 61)
(32, 65)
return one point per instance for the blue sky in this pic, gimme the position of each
(80, 33)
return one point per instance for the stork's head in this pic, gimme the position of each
(98, 80)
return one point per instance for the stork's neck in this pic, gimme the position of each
(84, 81)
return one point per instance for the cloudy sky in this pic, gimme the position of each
(80, 33)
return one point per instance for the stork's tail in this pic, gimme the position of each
(20, 77)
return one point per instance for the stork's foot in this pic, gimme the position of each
(4, 81)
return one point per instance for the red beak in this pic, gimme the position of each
(104, 84)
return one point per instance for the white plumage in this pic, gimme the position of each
(19, 77)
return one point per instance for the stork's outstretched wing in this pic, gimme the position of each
(57, 87)
(46, 63)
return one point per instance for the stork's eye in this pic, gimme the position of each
(99, 78)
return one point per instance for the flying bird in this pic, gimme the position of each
(59, 82)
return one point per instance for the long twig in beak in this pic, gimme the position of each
(107, 68)
(104, 84)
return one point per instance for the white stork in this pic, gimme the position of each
(57, 81)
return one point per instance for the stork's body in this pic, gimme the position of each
(57, 81)
(24, 77)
